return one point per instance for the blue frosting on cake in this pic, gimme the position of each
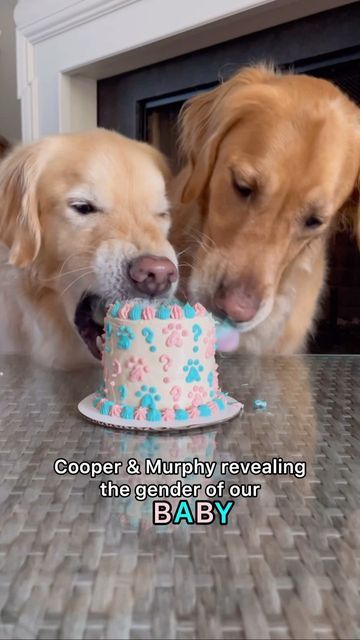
(128, 412)
(135, 312)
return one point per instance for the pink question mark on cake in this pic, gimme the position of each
(166, 362)
(175, 393)
(210, 341)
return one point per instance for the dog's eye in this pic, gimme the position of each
(312, 222)
(243, 189)
(83, 207)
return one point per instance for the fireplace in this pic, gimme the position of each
(145, 103)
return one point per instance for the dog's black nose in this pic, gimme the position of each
(152, 275)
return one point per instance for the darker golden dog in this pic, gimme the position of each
(271, 162)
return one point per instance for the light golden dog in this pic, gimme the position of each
(271, 161)
(83, 218)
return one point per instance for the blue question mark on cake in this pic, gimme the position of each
(210, 380)
(197, 331)
(149, 336)
(122, 392)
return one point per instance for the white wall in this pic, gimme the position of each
(65, 46)
(10, 119)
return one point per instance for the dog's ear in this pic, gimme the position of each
(204, 120)
(19, 210)
(159, 159)
(198, 143)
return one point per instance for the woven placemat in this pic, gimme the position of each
(75, 565)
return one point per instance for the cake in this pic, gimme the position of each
(159, 363)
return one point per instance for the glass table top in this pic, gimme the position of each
(74, 564)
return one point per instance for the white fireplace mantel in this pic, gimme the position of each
(65, 46)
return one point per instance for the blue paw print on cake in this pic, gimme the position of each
(193, 369)
(126, 336)
(149, 397)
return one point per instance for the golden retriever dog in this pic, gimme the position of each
(83, 219)
(271, 161)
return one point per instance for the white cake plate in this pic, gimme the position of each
(86, 408)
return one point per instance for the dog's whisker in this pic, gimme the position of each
(77, 254)
(63, 274)
(178, 255)
(200, 237)
(76, 280)
(203, 237)
(182, 292)
(198, 242)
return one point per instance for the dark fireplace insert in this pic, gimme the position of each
(145, 104)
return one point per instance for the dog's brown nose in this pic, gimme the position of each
(238, 302)
(152, 275)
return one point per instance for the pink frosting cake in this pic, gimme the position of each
(159, 363)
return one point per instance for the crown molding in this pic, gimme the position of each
(37, 27)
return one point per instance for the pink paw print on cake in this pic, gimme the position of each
(175, 334)
(210, 341)
(138, 368)
(198, 395)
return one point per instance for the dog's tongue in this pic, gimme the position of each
(88, 329)
(227, 337)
